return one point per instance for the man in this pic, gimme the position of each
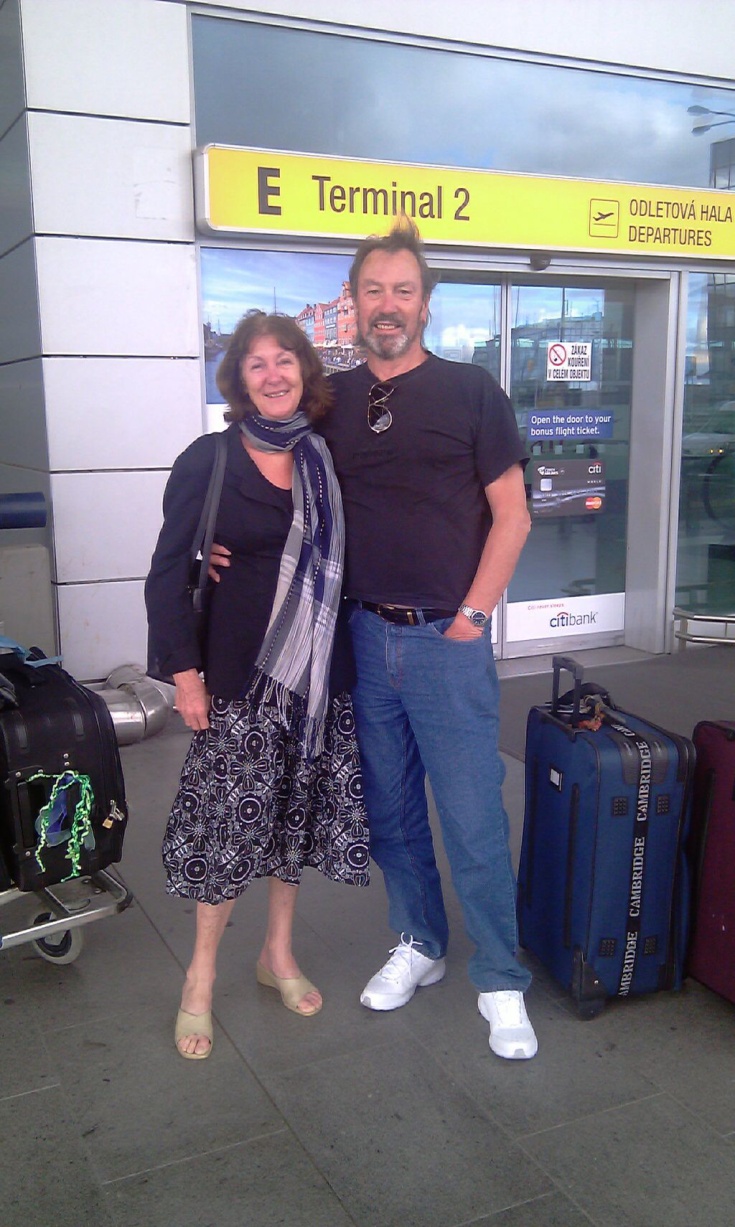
(429, 460)
(428, 456)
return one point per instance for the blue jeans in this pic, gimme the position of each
(429, 705)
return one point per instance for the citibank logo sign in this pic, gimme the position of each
(564, 619)
(537, 622)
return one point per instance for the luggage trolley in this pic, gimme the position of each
(59, 913)
(52, 720)
(63, 810)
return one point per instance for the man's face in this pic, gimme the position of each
(391, 308)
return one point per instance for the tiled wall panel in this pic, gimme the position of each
(104, 297)
(20, 334)
(15, 479)
(22, 418)
(105, 524)
(109, 177)
(121, 413)
(27, 610)
(12, 93)
(108, 57)
(16, 215)
(102, 626)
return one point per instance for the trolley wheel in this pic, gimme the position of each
(62, 947)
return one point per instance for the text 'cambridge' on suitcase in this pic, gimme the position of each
(603, 879)
(712, 953)
(62, 797)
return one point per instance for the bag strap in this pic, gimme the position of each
(204, 535)
(644, 757)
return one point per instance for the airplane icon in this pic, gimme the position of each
(604, 218)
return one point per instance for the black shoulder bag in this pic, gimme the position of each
(200, 587)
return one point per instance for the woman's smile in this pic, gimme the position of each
(272, 378)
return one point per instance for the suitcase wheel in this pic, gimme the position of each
(588, 991)
(63, 947)
(587, 1010)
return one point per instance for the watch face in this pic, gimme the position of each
(478, 618)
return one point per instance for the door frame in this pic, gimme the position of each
(659, 331)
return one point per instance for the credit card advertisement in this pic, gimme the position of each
(567, 487)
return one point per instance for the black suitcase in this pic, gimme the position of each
(712, 953)
(603, 882)
(62, 797)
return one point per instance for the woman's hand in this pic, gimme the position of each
(192, 700)
(219, 557)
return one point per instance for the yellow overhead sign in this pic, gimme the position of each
(259, 191)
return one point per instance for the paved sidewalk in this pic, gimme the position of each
(401, 1119)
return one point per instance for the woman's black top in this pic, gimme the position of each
(253, 521)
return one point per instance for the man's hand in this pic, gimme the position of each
(462, 628)
(192, 700)
(219, 557)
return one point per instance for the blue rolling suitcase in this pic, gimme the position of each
(603, 882)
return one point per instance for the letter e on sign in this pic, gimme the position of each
(266, 189)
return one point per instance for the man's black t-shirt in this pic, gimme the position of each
(415, 506)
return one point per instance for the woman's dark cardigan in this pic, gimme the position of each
(253, 521)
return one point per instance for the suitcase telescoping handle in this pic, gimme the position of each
(567, 664)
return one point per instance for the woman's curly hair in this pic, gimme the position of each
(318, 395)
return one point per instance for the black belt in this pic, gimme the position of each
(407, 617)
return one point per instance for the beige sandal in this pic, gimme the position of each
(193, 1024)
(292, 990)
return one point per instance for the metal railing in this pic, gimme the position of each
(686, 616)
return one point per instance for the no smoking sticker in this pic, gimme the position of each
(567, 361)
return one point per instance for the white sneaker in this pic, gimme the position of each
(511, 1034)
(398, 979)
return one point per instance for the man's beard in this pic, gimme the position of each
(387, 347)
(392, 345)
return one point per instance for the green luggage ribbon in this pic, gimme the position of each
(52, 822)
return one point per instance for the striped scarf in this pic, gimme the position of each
(292, 668)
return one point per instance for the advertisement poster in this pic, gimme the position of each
(570, 424)
(568, 487)
(559, 618)
(312, 288)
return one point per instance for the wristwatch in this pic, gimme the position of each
(476, 616)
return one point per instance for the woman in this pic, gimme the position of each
(271, 781)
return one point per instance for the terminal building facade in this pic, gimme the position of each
(165, 166)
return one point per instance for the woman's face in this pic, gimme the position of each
(272, 378)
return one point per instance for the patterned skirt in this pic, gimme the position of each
(249, 805)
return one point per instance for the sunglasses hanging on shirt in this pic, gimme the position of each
(379, 415)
